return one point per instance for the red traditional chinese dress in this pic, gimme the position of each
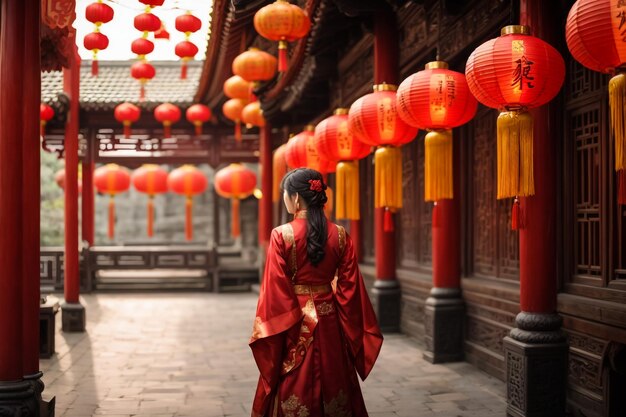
(309, 338)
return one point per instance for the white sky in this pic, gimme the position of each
(121, 31)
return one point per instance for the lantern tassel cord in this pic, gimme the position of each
(198, 129)
(238, 131)
(347, 201)
(150, 216)
(183, 71)
(142, 92)
(515, 154)
(282, 56)
(111, 233)
(621, 195)
(94, 67)
(516, 215)
(617, 101)
(127, 131)
(235, 229)
(189, 218)
(388, 177)
(42, 128)
(438, 171)
(167, 131)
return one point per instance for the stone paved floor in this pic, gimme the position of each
(182, 354)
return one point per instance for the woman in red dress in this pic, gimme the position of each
(310, 338)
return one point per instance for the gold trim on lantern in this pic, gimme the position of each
(341, 111)
(309, 128)
(515, 30)
(385, 87)
(437, 65)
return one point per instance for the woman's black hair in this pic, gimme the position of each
(309, 184)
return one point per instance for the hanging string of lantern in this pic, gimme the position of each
(186, 50)
(235, 182)
(188, 181)
(145, 22)
(167, 114)
(595, 38)
(111, 179)
(198, 114)
(374, 120)
(438, 100)
(232, 110)
(127, 114)
(335, 141)
(515, 72)
(283, 22)
(150, 179)
(97, 13)
(46, 113)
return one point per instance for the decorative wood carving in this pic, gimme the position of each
(486, 334)
(516, 381)
(58, 13)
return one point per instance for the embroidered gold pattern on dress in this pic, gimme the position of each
(296, 354)
(288, 236)
(338, 406)
(293, 408)
(342, 238)
(301, 289)
(325, 308)
(257, 332)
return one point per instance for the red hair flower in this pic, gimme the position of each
(316, 185)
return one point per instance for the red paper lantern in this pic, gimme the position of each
(596, 38)
(188, 181)
(153, 3)
(279, 169)
(515, 72)
(162, 33)
(143, 72)
(59, 178)
(46, 113)
(252, 115)
(237, 87)
(374, 120)
(142, 47)
(185, 50)
(335, 142)
(147, 22)
(301, 152)
(232, 110)
(436, 99)
(254, 65)
(111, 179)
(127, 114)
(198, 114)
(150, 179)
(187, 23)
(282, 22)
(97, 13)
(167, 114)
(235, 182)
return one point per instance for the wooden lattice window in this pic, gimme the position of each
(495, 245)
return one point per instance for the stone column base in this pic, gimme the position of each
(386, 300)
(536, 366)
(23, 398)
(444, 317)
(73, 317)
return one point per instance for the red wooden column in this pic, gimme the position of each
(536, 350)
(88, 201)
(20, 384)
(265, 204)
(357, 238)
(386, 289)
(73, 313)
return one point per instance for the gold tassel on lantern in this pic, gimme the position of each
(515, 154)
(388, 177)
(438, 182)
(347, 201)
(617, 99)
(330, 203)
(235, 221)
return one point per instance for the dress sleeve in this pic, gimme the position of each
(277, 311)
(356, 313)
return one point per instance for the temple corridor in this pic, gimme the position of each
(186, 354)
